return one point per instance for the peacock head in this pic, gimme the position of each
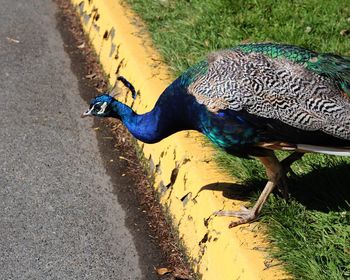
(100, 106)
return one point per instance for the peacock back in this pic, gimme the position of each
(274, 86)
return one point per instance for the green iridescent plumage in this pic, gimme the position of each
(193, 72)
(292, 53)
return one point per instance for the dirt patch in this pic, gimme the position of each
(145, 217)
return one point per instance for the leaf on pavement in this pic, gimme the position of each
(163, 270)
(90, 76)
(12, 40)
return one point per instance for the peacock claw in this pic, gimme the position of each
(277, 173)
(246, 215)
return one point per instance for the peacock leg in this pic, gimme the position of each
(276, 175)
(289, 160)
(286, 165)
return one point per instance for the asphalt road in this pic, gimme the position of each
(59, 216)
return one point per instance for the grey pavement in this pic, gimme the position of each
(59, 217)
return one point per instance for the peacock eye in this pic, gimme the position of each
(97, 107)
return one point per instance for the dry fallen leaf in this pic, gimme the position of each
(163, 270)
(12, 40)
(181, 274)
(81, 46)
(91, 76)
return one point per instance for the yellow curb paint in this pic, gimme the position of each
(215, 251)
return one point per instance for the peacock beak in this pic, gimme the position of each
(87, 113)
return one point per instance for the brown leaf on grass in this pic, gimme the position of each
(163, 270)
(345, 32)
(245, 41)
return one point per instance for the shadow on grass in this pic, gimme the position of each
(323, 189)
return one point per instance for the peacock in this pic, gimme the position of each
(251, 100)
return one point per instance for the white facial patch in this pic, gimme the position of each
(103, 108)
(87, 113)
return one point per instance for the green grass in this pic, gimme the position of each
(310, 232)
(186, 30)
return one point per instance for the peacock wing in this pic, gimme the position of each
(328, 65)
(275, 88)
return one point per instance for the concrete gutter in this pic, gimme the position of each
(182, 164)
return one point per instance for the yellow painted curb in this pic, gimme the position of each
(182, 164)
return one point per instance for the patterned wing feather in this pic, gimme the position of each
(273, 86)
(328, 65)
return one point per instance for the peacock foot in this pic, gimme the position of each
(277, 173)
(246, 215)
(249, 215)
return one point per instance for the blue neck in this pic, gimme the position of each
(143, 127)
(167, 117)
